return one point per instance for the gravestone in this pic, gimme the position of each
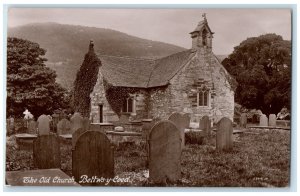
(86, 123)
(32, 127)
(93, 155)
(272, 120)
(182, 122)
(43, 125)
(263, 120)
(243, 120)
(46, 152)
(63, 127)
(205, 125)
(164, 152)
(76, 135)
(76, 122)
(224, 140)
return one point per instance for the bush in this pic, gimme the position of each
(194, 137)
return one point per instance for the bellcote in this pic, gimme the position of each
(202, 35)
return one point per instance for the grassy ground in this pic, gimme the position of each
(259, 159)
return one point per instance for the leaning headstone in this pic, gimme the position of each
(164, 152)
(272, 120)
(46, 152)
(205, 125)
(224, 139)
(76, 122)
(92, 156)
(63, 127)
(181, 122)
(32, 127)
(243, 120)
(43, 125)
(263, 120)
(76, 135)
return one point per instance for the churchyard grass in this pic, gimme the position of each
(258, 159)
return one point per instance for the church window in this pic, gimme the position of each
(203, 97)
(128, 105)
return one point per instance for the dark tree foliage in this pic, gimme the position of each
(85, 81)
(262, 67)
(30, 84)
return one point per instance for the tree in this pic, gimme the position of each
(262, 67)
(30, 84)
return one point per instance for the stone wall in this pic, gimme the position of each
(98, 97)
(181, 95)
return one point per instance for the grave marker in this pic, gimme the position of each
(43, 125)
(224, 140)
(76, 135)
(46, 152)
(76, 122)
(32, 127)
(63, 127)
(243, 120)
(263, 120)
(164, 152)
(272, 120)
(93, 155)
(205, 125)
(182, 122)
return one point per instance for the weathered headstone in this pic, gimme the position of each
(263, 120)
(86, 123)
(93, 155)
(272, 120)
(46, 152)
(76, 135)
(243, 120)
(164, 152)
(76, 122)
(205, 125)
(224, 140)
(63, 127)
(43, 125)
(32, 127)
(182, 122)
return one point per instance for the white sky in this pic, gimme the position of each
(231, 26)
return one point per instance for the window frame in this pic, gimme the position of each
(127, 105)
(202, 92)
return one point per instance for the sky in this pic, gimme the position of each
(231, 26)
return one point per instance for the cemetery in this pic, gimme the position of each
(171, 152)
(146, 122)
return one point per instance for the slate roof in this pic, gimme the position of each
(142, 73)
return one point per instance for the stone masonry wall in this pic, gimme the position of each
(98, 96)
(181, 95)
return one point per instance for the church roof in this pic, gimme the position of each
(142, 73)
(200, 26)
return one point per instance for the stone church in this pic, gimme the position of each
(192, 81)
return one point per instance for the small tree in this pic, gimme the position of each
(262, 67)
(30, 84)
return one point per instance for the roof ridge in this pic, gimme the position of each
(126, 57)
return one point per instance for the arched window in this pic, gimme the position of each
(203, 97)
(204, 37)
(128, 105)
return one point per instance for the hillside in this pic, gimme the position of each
(66, 45)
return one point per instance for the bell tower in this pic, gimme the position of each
(202, 36)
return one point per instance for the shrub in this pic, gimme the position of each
(193, 137)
